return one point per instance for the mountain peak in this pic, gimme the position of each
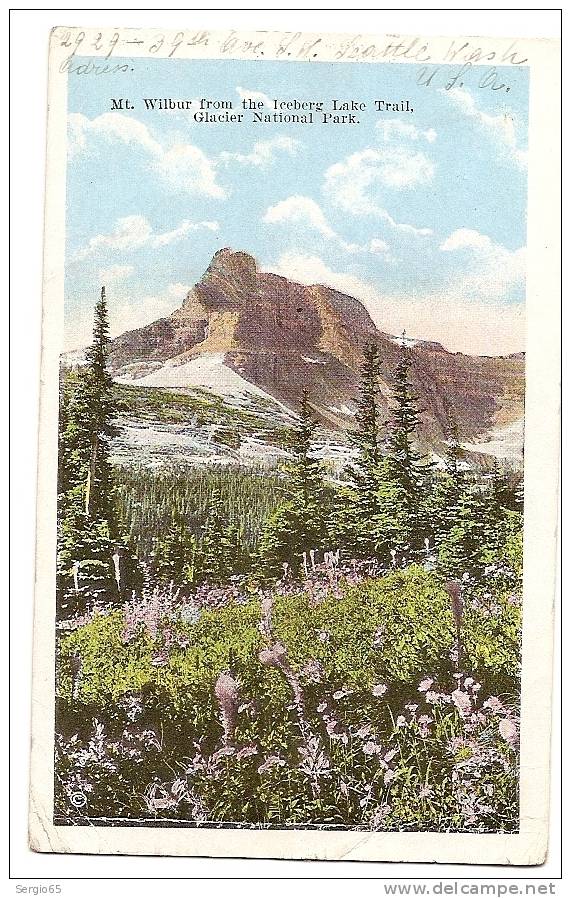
(281, 336)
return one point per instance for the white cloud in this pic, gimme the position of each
(135, 231)
(304, 213)
(111, 126)
(500, 127)
(358, 182)
(255, 95)
(182, 166)
(186, 167)
(115, 273)
(128, 233)
(473, 327)
(264, 152)
(351, 183)
(487, 270)
(184, 228)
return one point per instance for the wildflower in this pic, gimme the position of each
(363, 731)
(401, 721)
(494, 704)
(462, 702)
(391, 754)
(411, 708)
(379, 690)
(508, 731)
(432, 698)
(389, 776)
(426, 792)
(331, 726)
(323, 636)
(271, 761)
(379, 815)
(321, 707)
(425, 684)
(341, 693)
(227, 695)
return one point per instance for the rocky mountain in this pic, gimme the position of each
(241, 331)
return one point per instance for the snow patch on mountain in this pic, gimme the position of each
(502, 442)
(206, 371)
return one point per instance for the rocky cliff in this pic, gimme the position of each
(239, 327)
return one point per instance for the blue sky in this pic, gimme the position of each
(421, 215)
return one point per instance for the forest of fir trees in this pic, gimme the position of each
(392, 507)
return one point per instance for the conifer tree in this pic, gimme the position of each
(356, 509)
(86, 514)
(404, 473)
(447, 487)
(298, 523)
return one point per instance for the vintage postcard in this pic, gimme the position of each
(295, 569)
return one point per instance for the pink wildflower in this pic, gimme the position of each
(508, 730)
(227, 695)
(425, 684)
(271, 761)
(462, 701)
(379, 690)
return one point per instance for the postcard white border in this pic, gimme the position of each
(541, 488)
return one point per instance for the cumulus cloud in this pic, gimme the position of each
(501, 128)
(361, 182)
(186, 167)
(182, 166)
(304, 214)
(473, 327)
(135, 231)
(486, 270)
(352, 184)
(264, 152)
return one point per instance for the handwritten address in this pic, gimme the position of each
(87, 52)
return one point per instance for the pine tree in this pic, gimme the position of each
(298, 523)
(404, 473)
(86, 514)
(356, 509)
(447, 488)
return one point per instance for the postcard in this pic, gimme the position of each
(297, 495)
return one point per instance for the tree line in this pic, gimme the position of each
(393, 506)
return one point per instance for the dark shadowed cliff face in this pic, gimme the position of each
(281, 336)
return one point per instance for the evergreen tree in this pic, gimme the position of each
(173, 556)
(298, 523)
(403, 514)
(356, 508)
(86, 515)
(447, 488)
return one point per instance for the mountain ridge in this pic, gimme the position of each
(248, 327)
